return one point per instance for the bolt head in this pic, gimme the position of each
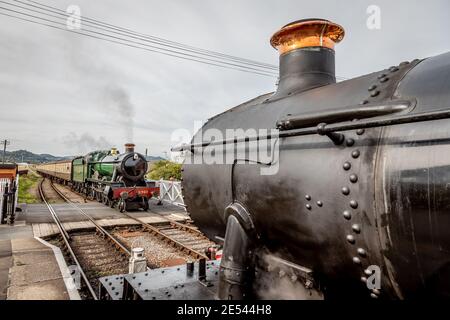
(356, 228)
(347, 165)
(361, 252)
(353, 178)
(347, 215)
(356, 260)
(355, 154)
(345, 191)
(353, 204)
(351, 239)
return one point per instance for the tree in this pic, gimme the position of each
(165, 169)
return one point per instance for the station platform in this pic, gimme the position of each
(30, 270)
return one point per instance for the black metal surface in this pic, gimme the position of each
(163, 284)
(379, 197)
(304, 69)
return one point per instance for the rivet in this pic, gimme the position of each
(363, 279)
(356, 228)
(359, 132)
(347, 165)
(404, 63)
(353, 204)
(351, 239)
(374, 93)
(376, 291)
(308, 197)
(319, 203)
(372, 87)
(345, 191)
(355, 154)
(350, 142)
(308, 206)
(373, 295)
(384, 79)
(347, 215)
(367, 272)
(393, 69)
(356, 260)
(353, 178)
(361, 252)
(364, 102)
(381, 75)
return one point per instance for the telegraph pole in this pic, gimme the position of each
(5, 143)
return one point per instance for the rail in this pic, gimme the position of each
(152, 229)
(98, 227)
(66, 239)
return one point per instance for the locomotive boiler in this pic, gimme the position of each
(113, 178)
(350, 197)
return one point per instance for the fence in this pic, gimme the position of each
(170, 191)
(9, 207)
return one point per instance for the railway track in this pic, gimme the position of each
(185, 238)
(90, 252)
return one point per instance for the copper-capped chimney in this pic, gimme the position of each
(129, 147)
(306, 50)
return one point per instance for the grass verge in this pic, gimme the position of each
(28, 184)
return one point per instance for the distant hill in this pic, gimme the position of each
(30, 157)
(153, 158)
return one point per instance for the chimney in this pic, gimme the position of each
(306, 50)
(129, 147)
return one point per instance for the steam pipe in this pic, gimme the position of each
(235, 276)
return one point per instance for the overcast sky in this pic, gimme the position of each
(66, 94)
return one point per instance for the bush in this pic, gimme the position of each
(165, 169)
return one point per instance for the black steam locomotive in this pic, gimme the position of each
(351, 196)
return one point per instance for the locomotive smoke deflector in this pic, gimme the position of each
(306, 50)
